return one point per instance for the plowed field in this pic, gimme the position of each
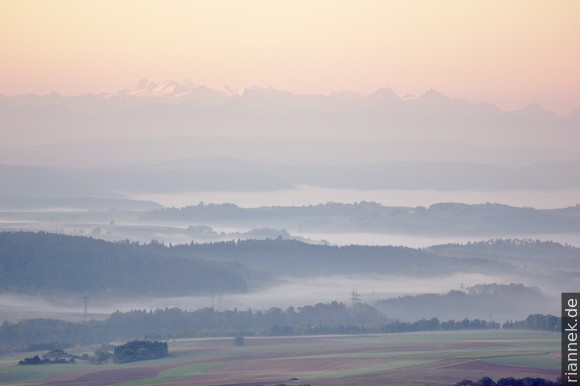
(428, 358)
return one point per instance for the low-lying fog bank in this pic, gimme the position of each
(313, 195)
(145, 233)
(79, 278)
(283, 293)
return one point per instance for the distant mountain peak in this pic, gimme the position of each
(384, 92)
(434, 95)
(575, 115)
(535, 108)
(533, 105)
(148, 88)
(534, 111)
(229, 90)
(433, 100)
(264, 91)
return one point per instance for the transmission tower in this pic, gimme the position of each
(85, 306)
(355, 298)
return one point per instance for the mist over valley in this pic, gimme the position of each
(266, 213)
(209, 217)
(288, 193)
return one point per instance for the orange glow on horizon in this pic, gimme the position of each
(507, 53)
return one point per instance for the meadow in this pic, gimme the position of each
(421, 358)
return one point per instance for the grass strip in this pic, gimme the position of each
(538, 361)
(15, 375)
(392, 365)
(175, 374)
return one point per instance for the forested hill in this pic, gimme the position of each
(32, 262)
(545, 254)
(499, 301)
(51, 262)
(295, 258)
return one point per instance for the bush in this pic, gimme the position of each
(139, 350)
(239, 340)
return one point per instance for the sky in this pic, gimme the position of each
(509, 53)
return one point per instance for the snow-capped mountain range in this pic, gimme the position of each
(183, 109)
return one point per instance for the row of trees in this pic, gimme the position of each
(536, 322)
(322, 318)
(434, 324)
(509, 381)
(174, 323)
(36, 360)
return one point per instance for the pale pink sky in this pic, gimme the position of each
(509, 53)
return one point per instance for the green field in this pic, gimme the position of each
(426, 358)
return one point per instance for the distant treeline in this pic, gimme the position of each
(433, 324)
(523, 252)
(442, 218)
(44, 262)
(536, 322)
(480, 300)
(330, 318)
(36, 360)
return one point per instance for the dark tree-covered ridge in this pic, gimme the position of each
(544, 254)
(44, 262)
(295, 258)
(32, 262)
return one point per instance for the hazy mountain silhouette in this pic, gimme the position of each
(184, 109)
